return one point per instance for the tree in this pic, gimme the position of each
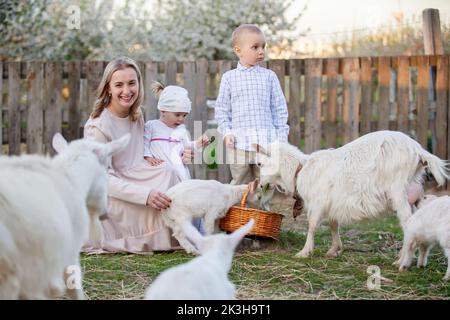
(191, 29)
(38, 29)
(170, 29)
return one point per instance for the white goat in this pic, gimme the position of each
(205, 277)
(47, 209)
(368, 177)
(208, 199)
(428, 226)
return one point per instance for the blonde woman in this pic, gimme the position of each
(136, 188)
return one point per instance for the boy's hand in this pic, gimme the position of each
(202, 141)
(229, 140)
(153, 161)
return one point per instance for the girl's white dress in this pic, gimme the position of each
(166, 143)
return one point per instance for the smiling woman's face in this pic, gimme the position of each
(124, 89)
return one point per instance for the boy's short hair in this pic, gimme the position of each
(243, 27)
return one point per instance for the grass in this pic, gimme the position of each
(272, 272)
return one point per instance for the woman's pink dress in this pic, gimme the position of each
(132, 225)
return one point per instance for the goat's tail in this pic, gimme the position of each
(439, 168)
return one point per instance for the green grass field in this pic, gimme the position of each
(272, 271)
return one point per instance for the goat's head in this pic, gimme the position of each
(277, 165)
(424, 200)
(88, 160)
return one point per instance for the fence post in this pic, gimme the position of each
(432, 38)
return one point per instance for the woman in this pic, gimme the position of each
(136, 188)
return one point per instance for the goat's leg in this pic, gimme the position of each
(73, 282)
(407, 253)
(209, 224)
(336, 245)
(402, 207)
(314, 222)
(183, 241)
(424, 250)
(447, 254)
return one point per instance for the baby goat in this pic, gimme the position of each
(204, 277)
(430, 225)
(208, 199)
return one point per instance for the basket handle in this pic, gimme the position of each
(244, 198)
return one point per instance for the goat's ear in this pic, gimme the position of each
(192, 234)
(240, 233)
(118, 144)
(59, 143)
(260, 149)
(253, 185)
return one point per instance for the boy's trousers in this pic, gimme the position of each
(242, 165)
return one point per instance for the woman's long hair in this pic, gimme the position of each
(103, 97)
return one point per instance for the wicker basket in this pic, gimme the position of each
(267, 224)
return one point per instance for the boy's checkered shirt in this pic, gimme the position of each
(252, 107)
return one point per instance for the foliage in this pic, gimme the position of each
(171, 29)
(192, 29)
(38, 29)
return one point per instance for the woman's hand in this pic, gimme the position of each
(187, 156)
(158, 200)
(153, 161)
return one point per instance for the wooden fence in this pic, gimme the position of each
(330, 101)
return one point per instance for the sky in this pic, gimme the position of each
(323, 17)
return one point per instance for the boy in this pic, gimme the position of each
(250, 107)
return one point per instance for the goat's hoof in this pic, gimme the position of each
(302, 254)
(402, 268)
(332, 254)
(396, 262)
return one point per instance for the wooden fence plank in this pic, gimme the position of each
(171, 73)
(423, 74)
(384, 76)
(294, 102)
(403, 94)
(94, 75)
(14, 107)
(150, 101)
(366, 95)
(223, 167)
(200, 113)
(350, 109)
(442, 106)
(331, 107)
(189, 85)
(52, 112)
(74, 70)
(35, 115)
(313, 105)
(279, 67)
